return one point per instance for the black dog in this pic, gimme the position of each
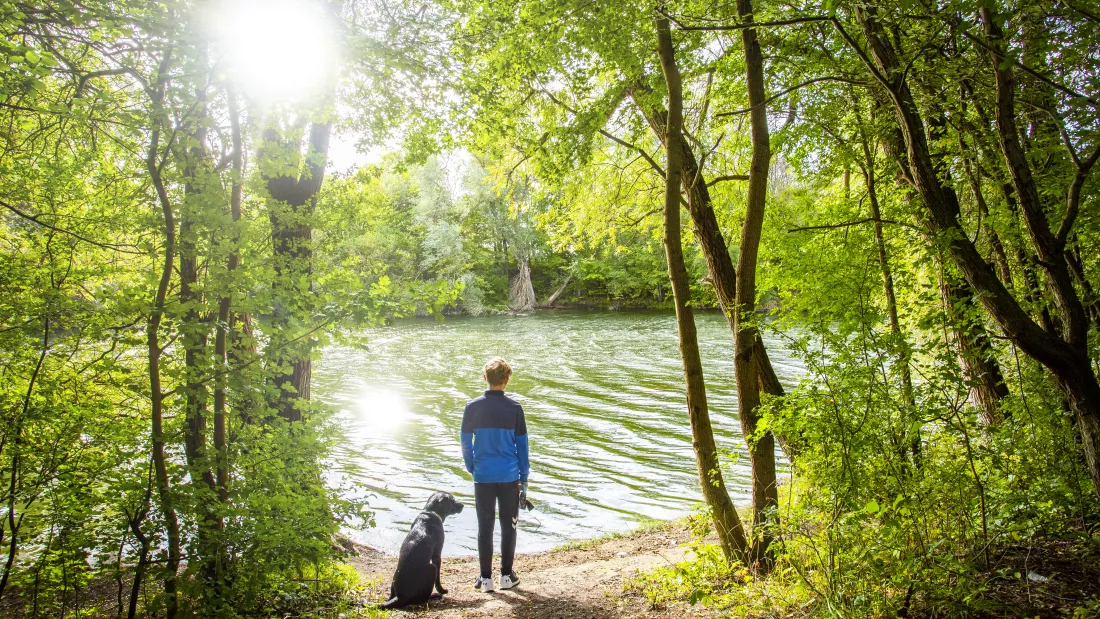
(419, 563)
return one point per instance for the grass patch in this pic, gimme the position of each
(645, 526)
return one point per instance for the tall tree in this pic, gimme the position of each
(154, 162)
(731, 533)
(747, 355)
(293, 180)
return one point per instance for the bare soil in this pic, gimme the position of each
(570, 583)
(1047, 577)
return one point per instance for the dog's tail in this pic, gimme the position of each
(390, 603)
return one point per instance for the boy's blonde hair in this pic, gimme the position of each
(497, 371)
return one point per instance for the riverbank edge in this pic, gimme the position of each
(357, 550)
(581, 578)
(1049, 575)
(764, 310)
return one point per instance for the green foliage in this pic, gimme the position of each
(707, 579)
(125, 256)
(83, 241)
(450, 235)
(316, 591)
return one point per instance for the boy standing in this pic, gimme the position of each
(494, 448)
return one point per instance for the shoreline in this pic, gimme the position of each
(644, 526)
(579, 579)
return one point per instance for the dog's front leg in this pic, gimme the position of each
(438, 560)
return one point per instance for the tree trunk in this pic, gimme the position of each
(902, 360)
(557, 293)
(194, 329)
(1000, 258)
(16, 448)
(216, 564)
(522, 293)
(290, 209)
(1049, 246)
(143, 554)
(976, 355)
(1067, 359)
(731, 534)
(887, 275)
(1027, 265)
(202, 193)
(765, 493)
(199, 192)
(723, 275)
(156, 392)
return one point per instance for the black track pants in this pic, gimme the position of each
(486, 497)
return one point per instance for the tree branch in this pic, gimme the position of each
(1073, 200)
(35, 219)
(645, 155)
(85, 77)
(653, 164)
(862, 54)
(760, 24)
(851, 223)
(1032, 72)
(779, 94)
(727, 177)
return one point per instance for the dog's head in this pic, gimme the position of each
(443, 504)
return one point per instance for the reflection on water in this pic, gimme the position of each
(603, 396)
(381, 411)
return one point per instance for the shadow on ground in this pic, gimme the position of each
(517, 603)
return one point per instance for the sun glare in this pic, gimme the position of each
(276, 50)
(383, 411)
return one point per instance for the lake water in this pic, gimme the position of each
(603, 396)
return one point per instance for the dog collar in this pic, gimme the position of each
(434, 514)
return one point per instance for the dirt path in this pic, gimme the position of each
(573, 583)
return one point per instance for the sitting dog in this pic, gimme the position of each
(419, 564)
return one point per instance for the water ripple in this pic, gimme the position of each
(603, 396)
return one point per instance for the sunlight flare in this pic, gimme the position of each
(276, 51)
(383, 411)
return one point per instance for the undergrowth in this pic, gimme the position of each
(897, 509)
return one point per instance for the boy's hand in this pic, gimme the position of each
(522, 494)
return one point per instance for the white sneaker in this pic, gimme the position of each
(484, 585)
(507, 581)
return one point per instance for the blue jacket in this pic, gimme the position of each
(494, 439)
